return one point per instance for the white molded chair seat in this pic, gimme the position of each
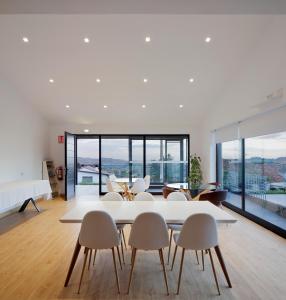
(138, 186)
(199, 232)
(147, 180)
(148, 232)
(144, 196)
(113, 186)
(91, 237)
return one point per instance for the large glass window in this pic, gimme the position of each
(265, 177)
(231, 171)
(253, 170)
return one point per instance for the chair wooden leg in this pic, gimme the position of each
(197, 257)
(124, 240)
(133, 257)
(164, 270)
(83, 267)
(203, 260)
(181, 268)
(119, 258)
(214, 272)
(115, 270)
(221, 261)
(90, 254)
(94, 256)
(122, 252)
(170, 244)
(174, 257)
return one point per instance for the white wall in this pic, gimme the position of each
(23, 137)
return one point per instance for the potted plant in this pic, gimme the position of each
(196, 175)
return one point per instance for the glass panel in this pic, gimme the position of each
(137, 168)
(88, 161)
(114, 159)
(231, 171)
(155, 160)
(265, 177)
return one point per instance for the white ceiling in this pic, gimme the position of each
(144, 7)
(119, 56)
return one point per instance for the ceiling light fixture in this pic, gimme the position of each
(86, 130)
(145, 80)
(25, 39)
(51, 80)
(143, 106)
(181, 105)
(105, 106)
(86, 40)
(208, 39)
(191, 80)
(147, 39)
(98, 80)
(67, 106)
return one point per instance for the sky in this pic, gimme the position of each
(267, 146)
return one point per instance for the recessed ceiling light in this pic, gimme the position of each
(86, 130)
(208, 39)
(181, 105)
(145, 80)
(67, 106)
(192, 80)
(98, 80)
(86, 40)
(105, 106)
(147, 39)
(143, 106)
(51, 80)
(25, 39)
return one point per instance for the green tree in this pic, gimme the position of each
(196, 175)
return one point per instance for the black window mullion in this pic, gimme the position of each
(99, 152)
(243, 173)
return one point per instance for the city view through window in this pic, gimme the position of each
(264, 175)
(166, 159)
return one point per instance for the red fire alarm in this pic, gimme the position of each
(60, 139)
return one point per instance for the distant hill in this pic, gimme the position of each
(104, 160)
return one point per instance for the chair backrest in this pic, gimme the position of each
(112, 177)
(215, 197)
(112, 196)
(109, 185)
(98, 231)
(176, 196)
(149, 232)
(199, 232)
(144, 196)
(138, 186)
(166, 191)
(147, 179)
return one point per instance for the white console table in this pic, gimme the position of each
(16, 193)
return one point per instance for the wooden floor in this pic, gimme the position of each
(36, 249)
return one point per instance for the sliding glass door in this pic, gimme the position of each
(253, 170)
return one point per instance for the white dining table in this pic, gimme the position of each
(175, 212)
(125, 212)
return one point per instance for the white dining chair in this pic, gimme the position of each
(138, 186)
(91, 237)
(199, 232)
(113, 196)
(148, 232)
(147, 179)
(144, 196)
(112, 177)
(113, 186)
(175, 196)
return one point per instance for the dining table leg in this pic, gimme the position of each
(73, 261)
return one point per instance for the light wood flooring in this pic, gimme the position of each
(35, 252)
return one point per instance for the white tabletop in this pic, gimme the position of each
(175, 212)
